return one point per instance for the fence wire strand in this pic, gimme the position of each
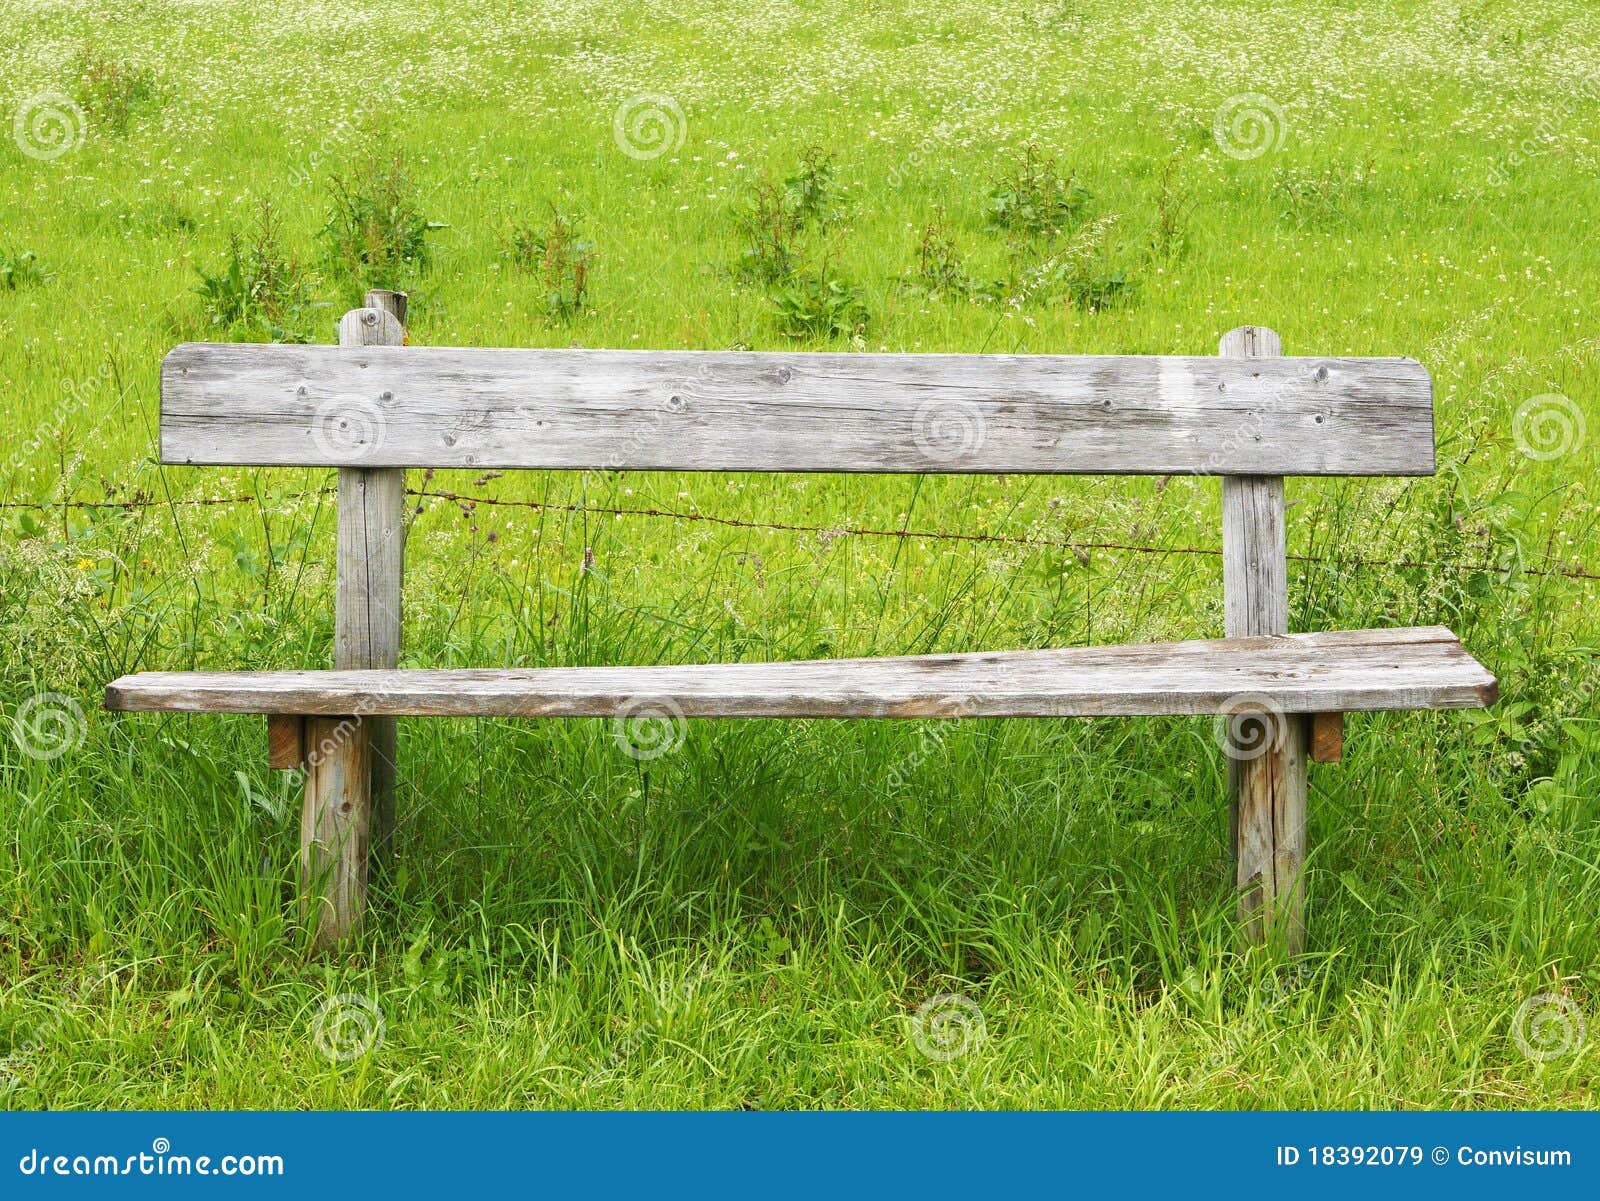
(464, 498)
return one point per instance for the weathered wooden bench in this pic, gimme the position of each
(372, 407)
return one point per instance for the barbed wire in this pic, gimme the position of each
(465, 498)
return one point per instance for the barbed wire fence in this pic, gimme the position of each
(1354, 562)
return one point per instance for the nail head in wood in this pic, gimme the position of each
(484, 408)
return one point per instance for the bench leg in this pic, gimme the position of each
(1269, 794)
(334, 825)
(371, 563)
(1266, 787)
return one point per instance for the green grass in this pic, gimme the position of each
(756, 918)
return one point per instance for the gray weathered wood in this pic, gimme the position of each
(334, 824)
(1255, 564)
(703, 410)
(1348, 670)
(1266, 784)
(371, 563)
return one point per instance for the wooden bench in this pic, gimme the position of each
(372, 407)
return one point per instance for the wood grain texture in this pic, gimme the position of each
(371, 564)
(1255, 561)
(334, 826)
(1266, 790)
(1348, 670)
(285, 742)
(1255, 579)
(1327, 737)
(731, 411)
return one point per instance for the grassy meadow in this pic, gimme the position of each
(804, 913)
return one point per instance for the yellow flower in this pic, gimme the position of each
(85, 564)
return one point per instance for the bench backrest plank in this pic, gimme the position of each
(388, 406)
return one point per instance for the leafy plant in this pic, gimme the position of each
(770, 229)
(810, 191)
(773, 218)
(1033, 198)
(810, 303)
(114, 90)
(558, 257)
(377, 233)
(1320, 197)
(1170, 237)
(789, 240)
(1080, 273)
(940, 271)
(260, 288)
(22, 270)
(1094, 291)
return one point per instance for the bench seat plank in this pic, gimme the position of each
(691, 410)
(1341, 671)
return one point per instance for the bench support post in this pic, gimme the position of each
(334, 825)
(356, 785)
(286, 742)
(1327, 737)
(1267, 768)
